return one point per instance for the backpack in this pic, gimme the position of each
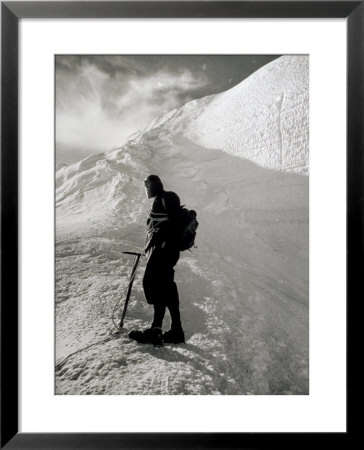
(186, 227)
(189, 224)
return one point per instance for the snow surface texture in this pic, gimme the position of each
(243, 291)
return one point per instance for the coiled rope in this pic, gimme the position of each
(112, 334)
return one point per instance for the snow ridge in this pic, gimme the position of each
(264, 119)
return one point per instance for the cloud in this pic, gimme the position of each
(99, 103)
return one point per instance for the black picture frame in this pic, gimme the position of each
(11, 12)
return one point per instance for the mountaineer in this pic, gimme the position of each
(162, 249)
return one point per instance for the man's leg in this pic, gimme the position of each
(150, 280)
(159, 311)
(175, 335)
(153, 285)
(173, 307)
(153, 334)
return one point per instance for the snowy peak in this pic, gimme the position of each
(264, 119)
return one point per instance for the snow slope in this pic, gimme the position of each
(264, 119)
(243, 291)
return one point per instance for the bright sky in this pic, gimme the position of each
(101, 100)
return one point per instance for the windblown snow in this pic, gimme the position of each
(240, 159)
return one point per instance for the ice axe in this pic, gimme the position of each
(132, 276)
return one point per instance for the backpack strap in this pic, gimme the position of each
(164, 204)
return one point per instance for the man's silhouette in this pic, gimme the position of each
(162, 252)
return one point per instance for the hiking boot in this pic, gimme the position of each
(174, 337)
(148, 336)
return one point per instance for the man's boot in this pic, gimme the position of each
(174, 336)
(149, 336)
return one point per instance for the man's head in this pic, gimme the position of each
(153, 186)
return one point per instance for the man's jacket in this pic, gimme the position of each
(162, 221)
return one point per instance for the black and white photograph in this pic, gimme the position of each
(181, 224)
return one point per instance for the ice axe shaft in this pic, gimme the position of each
(132, 276)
